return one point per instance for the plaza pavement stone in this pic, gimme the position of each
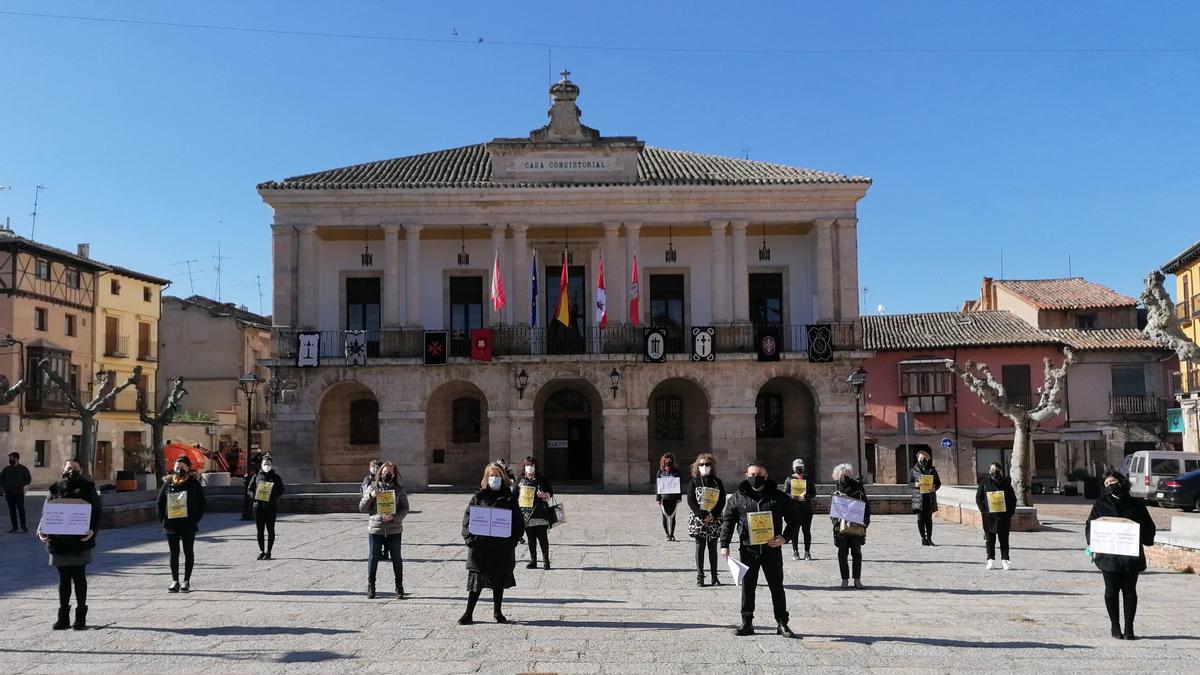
(619, 599)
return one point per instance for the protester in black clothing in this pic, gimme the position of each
(706, 499)
(848, 538)
(1121, 571)
(533, 495)
(766, 520)
(924, 504)
(803, 492)
(491, 559)
(667, 503)
(996, 523)
(180, 508)
(14, 478)
(71, 554)
(265, 489)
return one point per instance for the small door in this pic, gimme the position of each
(103, 461)
(579, 449)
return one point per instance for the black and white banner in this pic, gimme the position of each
(654, 345)
(703, 338)
(356, 348)
(308, 350)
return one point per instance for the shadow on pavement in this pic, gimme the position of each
(665, 625)
(311, 593)
(965, 591)
(946, 642)
(244, 630)
(642, 570)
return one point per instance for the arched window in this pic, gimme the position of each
(668, 418)
(768, 416)
(364, 422)
(465, 420)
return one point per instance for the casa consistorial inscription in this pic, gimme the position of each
(563, 164)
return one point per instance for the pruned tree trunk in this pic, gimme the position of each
(1021, 475)
(86, 413)
(1162, 324)
(158, 423)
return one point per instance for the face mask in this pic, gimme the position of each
(530, 470)
(798, 469)
(267, 468)
(922, 461)
(705, 470)
(757, 482)
(12, 462)
(670, 463)
(995, 473)
(71, 474)
(1113, 490)
(387, 478)
(181, 471)
(494, 482)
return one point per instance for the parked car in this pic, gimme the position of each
(1146, 467)
(1182, 491)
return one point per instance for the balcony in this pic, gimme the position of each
(146, 351)
(1135, 406)
(526, 341)
(116, 345)
(1195, 304)
(1182, 312)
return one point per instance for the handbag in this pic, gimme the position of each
(849, 529)
(560, 514)
(918, 502)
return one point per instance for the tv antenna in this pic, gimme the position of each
(259, 277)
(220, 260)
(37, 192)
(191, 280)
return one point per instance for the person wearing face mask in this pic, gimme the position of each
(1121, 571)
(366, 484)
(533, 495)
(385, 529)
(706, 498)
(766, 519)
(996, 517)
(667, 503)
(491, 559)
(180, 508)
(71, 554)
(14, 478)
(802, 491)
(924, 502)
(849, 543)
(265, 489)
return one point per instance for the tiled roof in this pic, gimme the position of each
(1070, 293)
(1182, 260)
(949, 329)
(1104, 339)
(225, 309)
(471, 167)
(11, 238)
(141, 276)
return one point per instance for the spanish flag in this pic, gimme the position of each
(562, 313)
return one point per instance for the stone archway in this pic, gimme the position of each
(785, 427)
(456, 434)
(347, 432)
(569, 432)
(678, 422)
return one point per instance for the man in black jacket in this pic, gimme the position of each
(767, 520)
(14, 478)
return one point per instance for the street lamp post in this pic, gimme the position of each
(248, 383)
(858, 380)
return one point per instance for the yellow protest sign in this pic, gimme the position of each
(996, 502)
(263, 492)
(709, 498)
(385, 502)
(926, 483)
(177, 505)
(526, 495)
(762, 527)
(799, 487)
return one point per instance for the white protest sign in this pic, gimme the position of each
(489, 522)
(668, 485)
(846, 508)
(1116, 536)
(66, 516)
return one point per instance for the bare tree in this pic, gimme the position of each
(160, 419)
(87, 412)
(1162, 325)
(979, 379)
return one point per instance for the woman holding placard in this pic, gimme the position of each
(802, 491)
(180, 508)
(387, 504)
(1117, 529)
(667, 493)
(848, 535)
(997, 503)
(533, 496)
(706, 499)
(71, 553)
(265, 490)
(492, 525)
(925, 483)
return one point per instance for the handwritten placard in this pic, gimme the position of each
(66, 516)
(849, 509)
(668, 485)
(1116, 536)
(488, 522)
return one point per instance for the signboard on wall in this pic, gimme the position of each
(557, 445)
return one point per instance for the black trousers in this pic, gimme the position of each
(392, 544)
(925, 524)
(701, 545)
(1121, 583)
(668, 516)
(187, 541)
(849, 547)
(806, 528)
(77, 575)
(264, 519)
(770, 561)
(990, 539)
(539, 534)
(16, 509)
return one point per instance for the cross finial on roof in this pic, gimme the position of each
(566, 74)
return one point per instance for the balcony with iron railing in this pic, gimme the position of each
(116, 345)
(556, 340)
(1183, 312)
(146, 351)
(1136, 405)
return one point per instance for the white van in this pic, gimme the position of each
(1145, 467)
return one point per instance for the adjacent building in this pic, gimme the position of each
(764, 255)
(1186, 268)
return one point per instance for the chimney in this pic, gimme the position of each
(84, 250)
(986, 299)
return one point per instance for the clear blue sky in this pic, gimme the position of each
(980, 131)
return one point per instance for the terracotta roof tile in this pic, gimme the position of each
(1071, 293)
(1105, 339)
(1189, 255)
(949, 329)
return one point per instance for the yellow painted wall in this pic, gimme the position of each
(1191, 324)
(129, 307)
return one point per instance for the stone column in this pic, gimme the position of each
(626, 464)
(733, 440)
(741, 275)
(308, 278)
(402, 440)
(632, 247)
(498, 230)
(847, 258)
(283, 264)
(520, 283)
(826, 284)
(393, 282)
(614, 287)
(720, 274)
(412, 252)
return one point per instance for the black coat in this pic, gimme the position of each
(195, 501)
(540, 508)
(663, 474)
(276, 490)
(70, 544)
(929, 499)
(810, 493)
(748, 500)
(493, 556)
(996, 522)
(1132, 509)
(849, 487)
(14, 478)
(694, 502)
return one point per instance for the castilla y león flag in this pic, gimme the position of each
(481, 344)
(601, 298)
(633, 295)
